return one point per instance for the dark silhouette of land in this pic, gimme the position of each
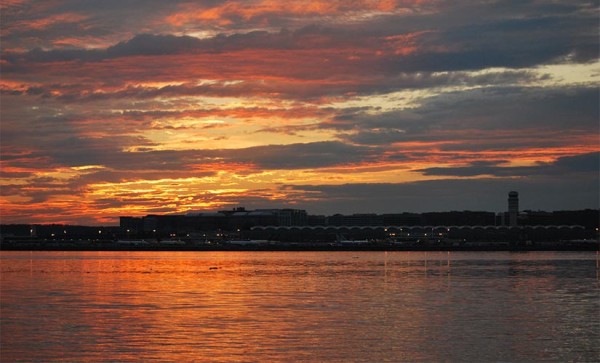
(294, 230)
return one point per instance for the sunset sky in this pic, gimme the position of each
(133, 107)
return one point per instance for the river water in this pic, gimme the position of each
(299, 306)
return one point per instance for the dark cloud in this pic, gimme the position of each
(147, 44)
(56, 24)
(95, 93)
(310, 92)
(514, 43)
(474, 35)
(493, 113)
(448, 40)
(144, 44)
(584, 163)
(300, 156)
(293, 156)
(73, 151)
(453, 194)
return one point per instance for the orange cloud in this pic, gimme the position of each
(226, 13)
(8, 4)
(47, 22)
(135, 120)
(404, 44)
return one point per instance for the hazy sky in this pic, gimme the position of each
(134, 107)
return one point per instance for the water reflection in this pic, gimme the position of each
(313, 306)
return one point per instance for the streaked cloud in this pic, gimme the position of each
(571, 165)
(135, 107)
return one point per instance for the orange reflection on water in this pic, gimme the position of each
(313, 306)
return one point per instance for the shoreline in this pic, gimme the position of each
(299, 248)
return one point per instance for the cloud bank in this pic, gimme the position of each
(112, 108)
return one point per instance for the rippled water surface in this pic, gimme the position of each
(299, 306)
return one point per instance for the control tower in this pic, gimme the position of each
(513, 208)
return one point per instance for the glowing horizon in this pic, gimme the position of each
(109, 109)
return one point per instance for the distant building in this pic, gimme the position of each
(316, 220)
(538, 218)
(228, 220)
(286, 223)
(288, 217)
(513, 208)
(365, 219)
(131, 225)
(401, 219)
(458, 218)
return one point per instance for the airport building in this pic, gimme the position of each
(513, 208)
(295, 224)
(225, 220)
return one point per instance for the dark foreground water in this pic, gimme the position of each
(299, 306)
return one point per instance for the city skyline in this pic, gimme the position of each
(118, 108)
(470, 217)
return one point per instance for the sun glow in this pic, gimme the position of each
(202, 105)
